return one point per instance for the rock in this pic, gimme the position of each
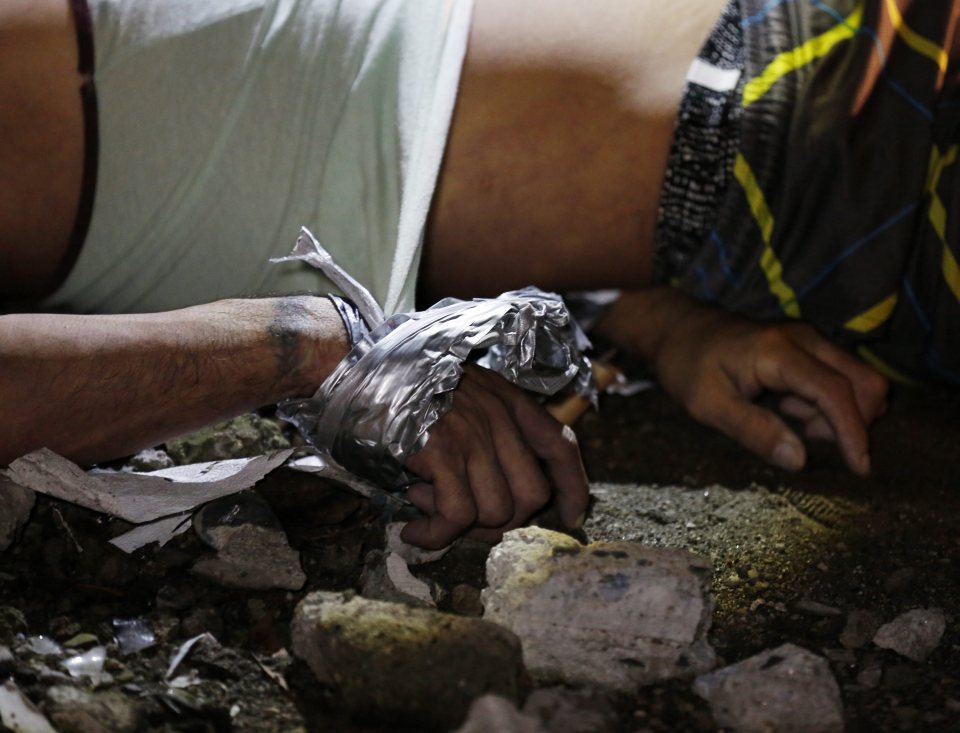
(12, 624)
(914, 634)
(252, 549)
(815, 608)
(412, 554)
(493, 713)
(75, 710)
(611, 614)
(563, 710)
(243, 437)
(870, 677)
(394, 664)
(900, 581)
(465, 600)
(200, 620)
(860, 628)
(150, 459)
(386, 577)
(18, 714)
(16, 503)
(785, 689)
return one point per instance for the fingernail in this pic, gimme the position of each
(788, 456)
(578, 524)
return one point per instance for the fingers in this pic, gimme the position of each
(755, 428)
(869, 386)
(481, 462)
(832, 393)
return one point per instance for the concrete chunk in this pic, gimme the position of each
(613, 614)
(786, 689)
(16, 503)
(392, 663)
(914, 634)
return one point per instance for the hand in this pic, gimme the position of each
(481, 470)
(717, 364)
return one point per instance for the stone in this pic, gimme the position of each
(611, 614)
(150, 459)
(465, 600)
(914, 634)
(12, 624)
(18, 713)
(75, 710)
(389, 663)
(16, 503)
(860, 628)
(493, 713)
(243, 437)
(565, 710)
(252, 549)
(386, 577)
(787, 689)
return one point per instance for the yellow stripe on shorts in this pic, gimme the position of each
(769, 262)
(795, 58)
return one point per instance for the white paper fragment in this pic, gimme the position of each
(44, 646)
(19, 714)
(411, 554)
(160, 531)
(405, 582)
(326, 467)
(140, 497)
(88, 664)
(184, 650)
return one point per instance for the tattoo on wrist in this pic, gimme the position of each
(292, 319)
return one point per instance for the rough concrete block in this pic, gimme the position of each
(914, 634)
(391, 663)
(16, 503)
(787, 689)
(614, 614)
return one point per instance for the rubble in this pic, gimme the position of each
(386, 577)
(244, 436)
(564, 710)
(914, 634)
(392, 663)
(494, 713)
(16, 503)
(860, 628)
(75, 710)
(252, 549)
(20, 715)
(612, 614)
(787, 689)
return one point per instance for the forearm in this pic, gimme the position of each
(640, 321)
(98, 387)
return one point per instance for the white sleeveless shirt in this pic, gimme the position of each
(225, 125)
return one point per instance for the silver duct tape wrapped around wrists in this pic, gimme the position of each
(376, 408)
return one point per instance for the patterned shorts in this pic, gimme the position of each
(813, 176)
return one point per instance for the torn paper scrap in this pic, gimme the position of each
(325, 467)
(140, 497)
(161, 532)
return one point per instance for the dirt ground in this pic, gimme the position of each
(793, 556)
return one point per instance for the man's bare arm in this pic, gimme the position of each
(98, 387)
